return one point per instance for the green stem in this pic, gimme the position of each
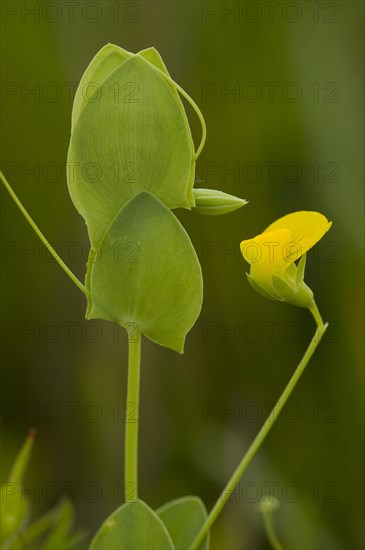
(259, 439)
(193, 105)
(132, 419)
(317, 317)
(200, 116)
(41, 236)
(270, 530)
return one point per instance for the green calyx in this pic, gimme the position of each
(288, 287)
(291, 287)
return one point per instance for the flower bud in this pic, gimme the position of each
(268, 504)
(214, 203)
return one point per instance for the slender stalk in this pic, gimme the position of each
(200, 116)
(270, 530)
(41, 236)
(193, 105)
(317, 316)
(132, 419)
(259, 439)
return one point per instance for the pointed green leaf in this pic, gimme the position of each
(152, 55)
(14, 507)
(39, 527)
(183, 519)
(147, 273)
(57, 522)
(62, 527)
(133, 136)
(132, 526)
(22, 460)
(13, 510)
(102, 65)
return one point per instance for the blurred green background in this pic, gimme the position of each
(288, 138)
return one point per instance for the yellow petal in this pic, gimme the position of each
(265, 254)
(306, 229)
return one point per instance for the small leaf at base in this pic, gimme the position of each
(183, 519)
(132, 526)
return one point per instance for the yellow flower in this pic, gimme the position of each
(273, 253)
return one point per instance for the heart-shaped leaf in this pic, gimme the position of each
(133, 526)
(183, 519)
(146, 272)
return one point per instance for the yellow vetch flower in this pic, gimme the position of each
(273, 253)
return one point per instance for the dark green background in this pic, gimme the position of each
(313, 457)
